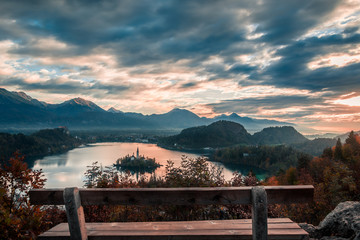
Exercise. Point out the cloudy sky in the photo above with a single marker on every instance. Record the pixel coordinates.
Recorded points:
(296, 61)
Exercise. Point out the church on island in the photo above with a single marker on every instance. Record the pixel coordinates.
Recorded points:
(136, 163)
(137, 155)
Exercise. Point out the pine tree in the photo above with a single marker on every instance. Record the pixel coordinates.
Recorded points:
(304, 162)
(352, 140)
(327, 153)
(338, 154)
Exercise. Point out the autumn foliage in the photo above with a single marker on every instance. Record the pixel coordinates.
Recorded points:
(18, 219)
(335, 176)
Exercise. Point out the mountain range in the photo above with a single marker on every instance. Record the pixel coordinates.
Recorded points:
(18, 110)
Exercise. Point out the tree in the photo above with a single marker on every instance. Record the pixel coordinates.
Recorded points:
(304, 161)
(327, 153)
(354, 141)
(338, 154)
(339, 183)
(193, 172)
(18, 219)
(291, 176)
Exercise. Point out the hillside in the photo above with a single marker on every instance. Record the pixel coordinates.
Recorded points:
(269, 158)
(278, 135)
(38, 144)
(315, 147)
(225, 133)
(219, 134)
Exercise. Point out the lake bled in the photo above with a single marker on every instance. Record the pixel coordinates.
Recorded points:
(67, 169)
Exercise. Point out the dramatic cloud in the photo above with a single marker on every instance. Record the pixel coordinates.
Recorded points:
(283, 21)
(295, 61)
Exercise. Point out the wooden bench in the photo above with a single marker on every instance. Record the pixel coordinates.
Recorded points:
(259, 227)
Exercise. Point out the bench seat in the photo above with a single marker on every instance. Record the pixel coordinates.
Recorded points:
(278, 228)
(260, 227)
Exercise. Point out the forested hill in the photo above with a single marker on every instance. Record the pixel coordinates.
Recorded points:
(38, 144)
(270, 158)
(278, 135)
(225, 134)
(219, 134)
(315, 147)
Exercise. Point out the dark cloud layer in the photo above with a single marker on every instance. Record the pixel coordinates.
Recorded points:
(69, 87)
(253, 105)
(292, 71)
(282, 21)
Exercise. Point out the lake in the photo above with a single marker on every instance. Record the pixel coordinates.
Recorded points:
(67, 169)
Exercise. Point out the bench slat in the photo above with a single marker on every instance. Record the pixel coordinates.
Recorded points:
(174, 196)
(147, 226)
(214, 229)
(275, 221)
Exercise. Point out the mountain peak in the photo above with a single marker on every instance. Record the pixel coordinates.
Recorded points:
(19, 98)
(83, 103)
(114, 110)
(178, 110)
(23, 95)
(182, 112)
(80, 101)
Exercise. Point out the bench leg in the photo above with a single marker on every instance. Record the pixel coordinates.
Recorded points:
(259, 213)
(75, 214)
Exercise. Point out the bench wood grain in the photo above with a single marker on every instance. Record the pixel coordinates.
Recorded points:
(279, 228)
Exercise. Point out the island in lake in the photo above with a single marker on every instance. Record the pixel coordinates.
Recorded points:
(138, 164)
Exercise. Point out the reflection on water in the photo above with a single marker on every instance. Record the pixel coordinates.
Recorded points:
(67, 170)
(56, 160)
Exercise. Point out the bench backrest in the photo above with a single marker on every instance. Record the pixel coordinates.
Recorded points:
(259, 197)
(174, 196)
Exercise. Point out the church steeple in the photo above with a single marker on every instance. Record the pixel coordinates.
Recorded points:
(137, 153)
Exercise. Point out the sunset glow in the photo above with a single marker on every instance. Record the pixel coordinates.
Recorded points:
(355, 101)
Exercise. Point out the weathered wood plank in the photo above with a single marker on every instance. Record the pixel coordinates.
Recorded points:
(75, 214)
(174, 196)
(91, 233)
(175, 230)
(156, 226)
(290, 194)
(50, 196)
(259, 213)
(235, 234)
(180, 237)
(202, 232)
